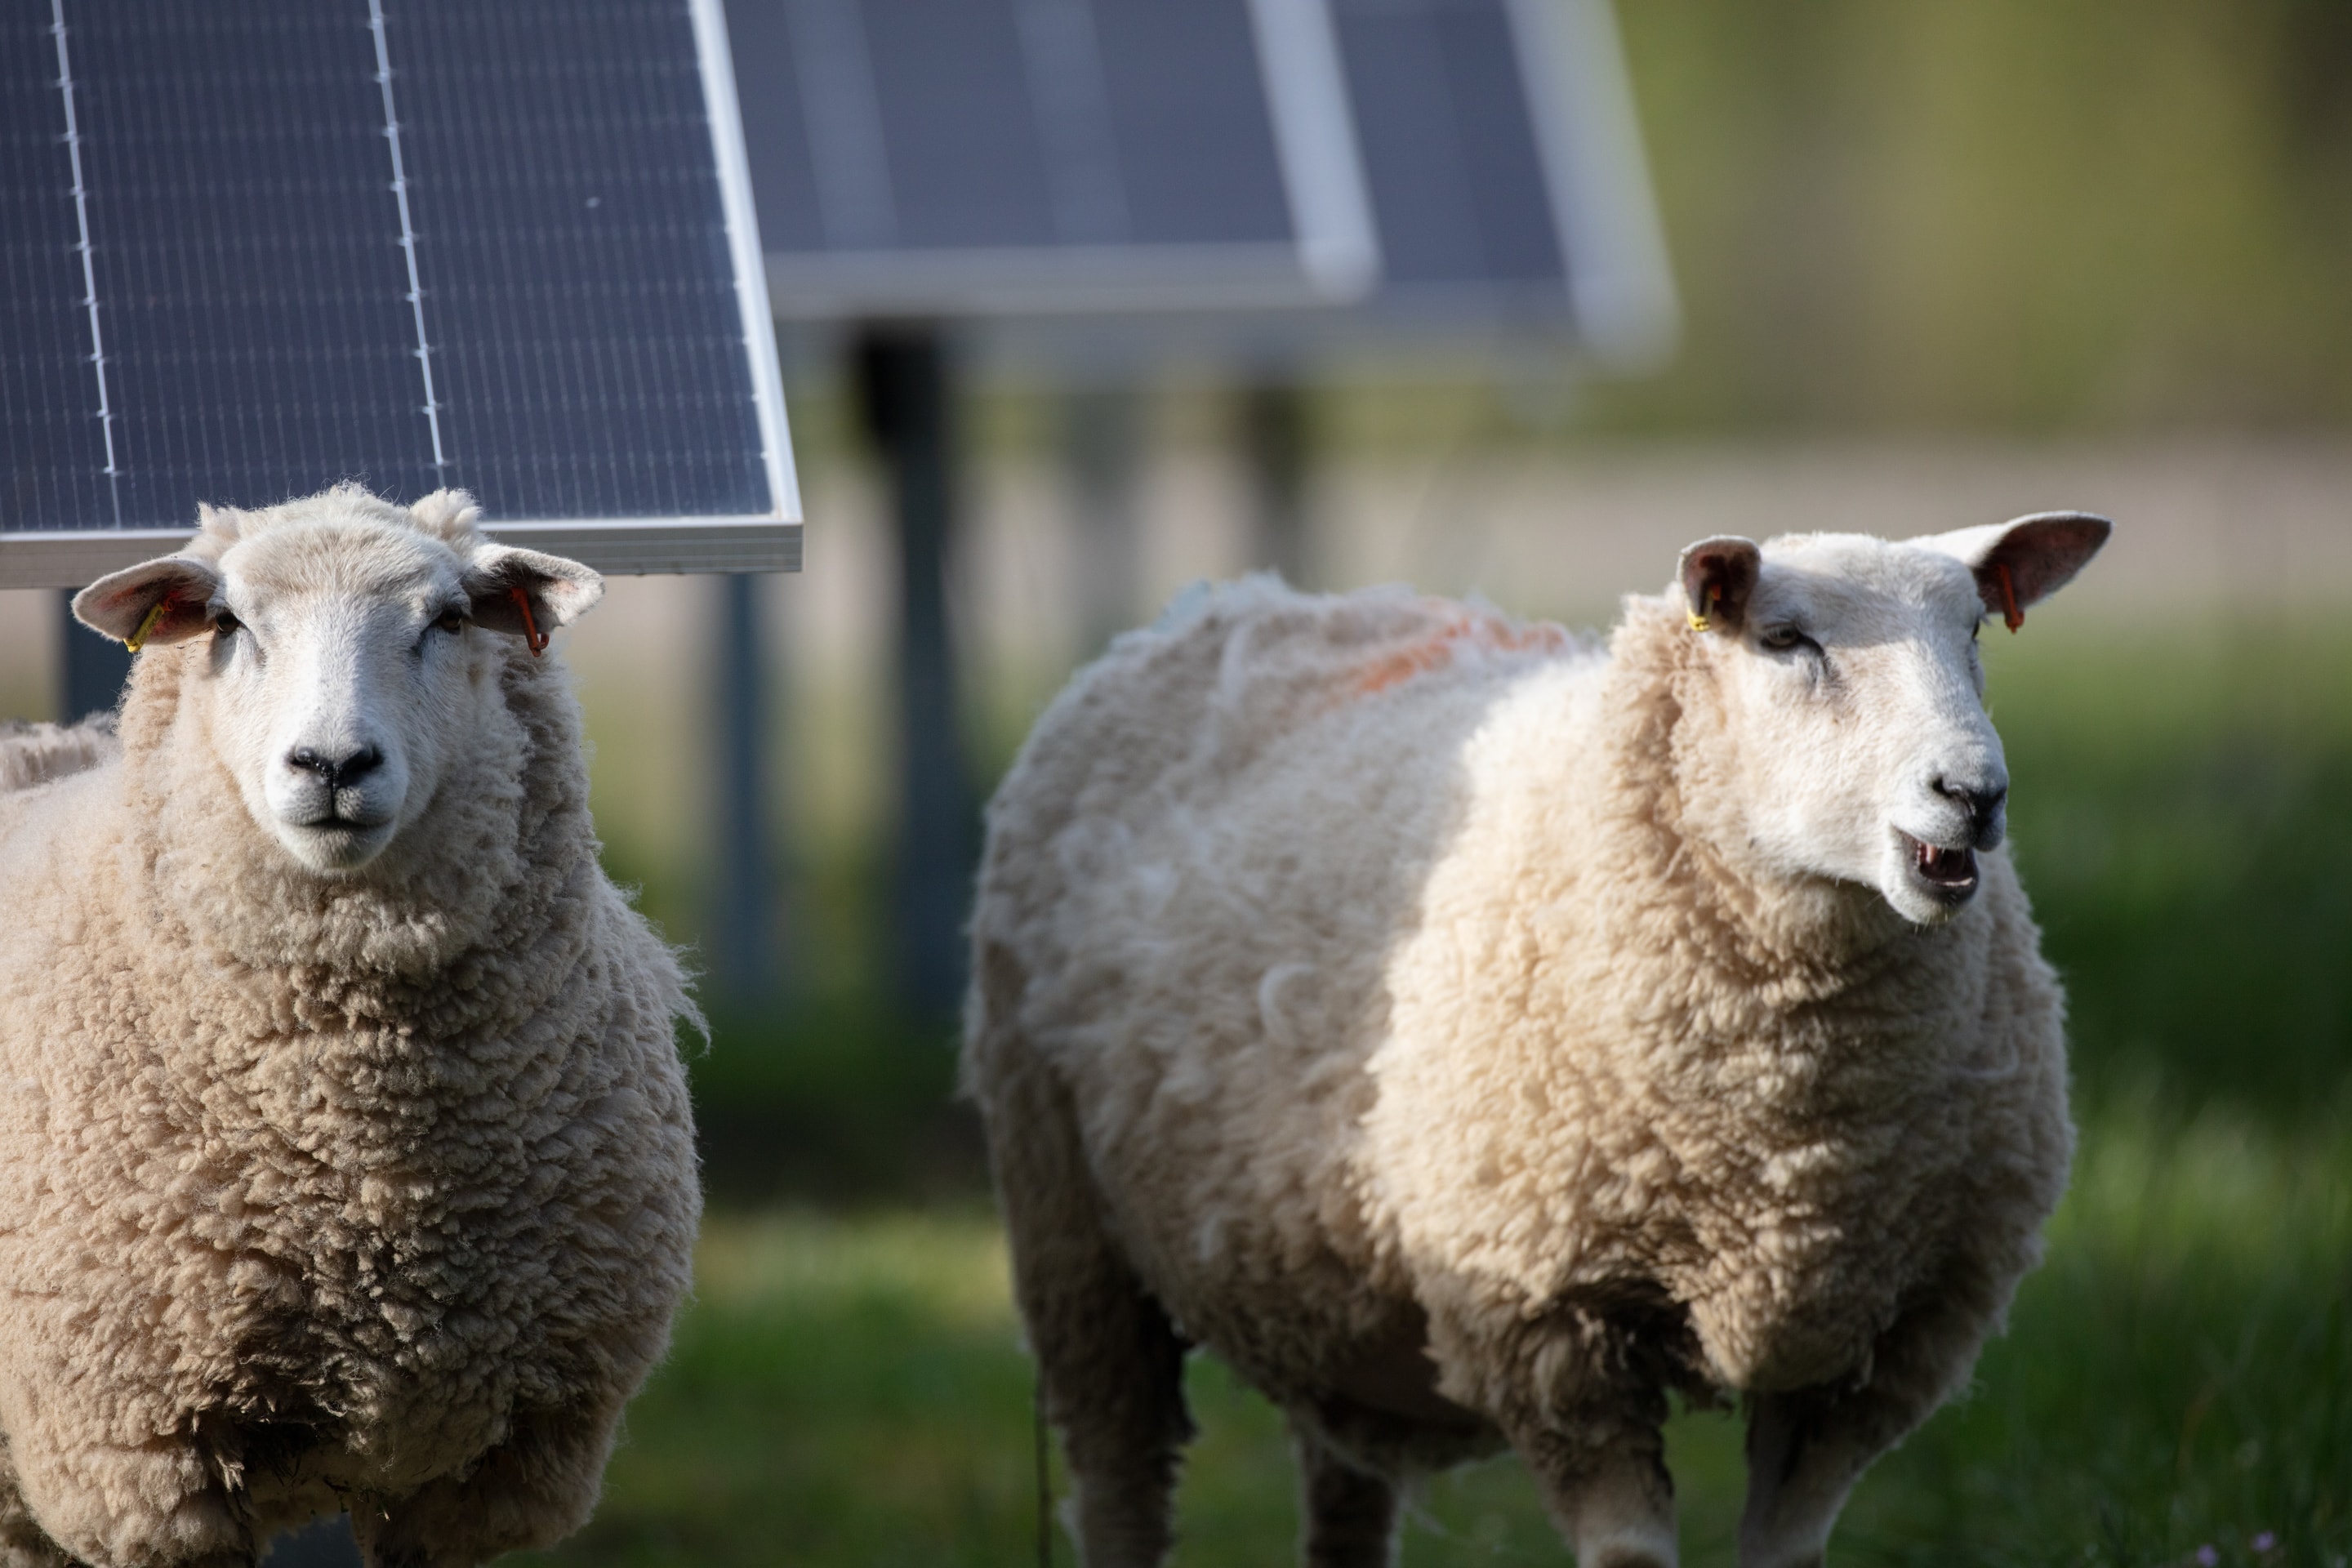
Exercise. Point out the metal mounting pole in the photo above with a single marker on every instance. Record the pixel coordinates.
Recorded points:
(1274, 451)
(746, 959)
(90, 668)
(906, 393)
(321, 1543)
(1103, 437)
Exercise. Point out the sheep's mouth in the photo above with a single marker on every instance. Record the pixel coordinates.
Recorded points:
(336, 843)
(1951, 874)
(336, 822)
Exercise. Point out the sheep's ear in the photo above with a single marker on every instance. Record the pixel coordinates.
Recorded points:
(154, 601)
(1718, 575)
(2019, 563)
(559, 592)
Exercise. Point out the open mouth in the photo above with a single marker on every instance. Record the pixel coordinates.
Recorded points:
(1952, 873)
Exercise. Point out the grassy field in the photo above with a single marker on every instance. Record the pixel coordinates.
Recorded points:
(849, 1390)
(2176, 1385)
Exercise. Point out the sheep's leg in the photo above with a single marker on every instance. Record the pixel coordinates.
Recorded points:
(1588, 1423)
(1801, 1465)
(1348, 1515)
(1612, 1498)
(531, 1490)
(1114, 1372)
(1111, 1364)
(1807, 1448)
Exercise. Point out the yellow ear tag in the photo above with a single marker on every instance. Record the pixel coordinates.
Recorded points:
(1698, 619)
(138, 639)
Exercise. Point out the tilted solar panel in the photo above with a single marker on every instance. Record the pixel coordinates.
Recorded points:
(1438, 164)
(250, 250)
(973, 156)
(1450, 153)
(1504, 168)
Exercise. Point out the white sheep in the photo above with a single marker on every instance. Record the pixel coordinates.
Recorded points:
(1472, 1033)
(345, 1155)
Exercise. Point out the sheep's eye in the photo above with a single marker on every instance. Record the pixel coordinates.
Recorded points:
(226, 624)
(1780, 639)
(451, 620)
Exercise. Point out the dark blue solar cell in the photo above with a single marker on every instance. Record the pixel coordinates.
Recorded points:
(250, 308)
(776, 114)
(1449, 152)
(587, 339)
(51, 436)
(958, 124)
(1006, 125)
(1195, 141)
(253, 262)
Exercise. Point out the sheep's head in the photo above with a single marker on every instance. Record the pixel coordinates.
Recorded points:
(348, 650)
(1856, 743)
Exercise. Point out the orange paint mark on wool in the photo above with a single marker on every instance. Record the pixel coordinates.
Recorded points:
(1436, 650)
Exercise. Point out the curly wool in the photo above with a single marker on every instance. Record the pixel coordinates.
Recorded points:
(1353, 980)
(316, 1194)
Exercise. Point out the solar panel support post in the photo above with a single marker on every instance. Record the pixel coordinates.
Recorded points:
(321, 1543)
(906, 394)
(90, 668)
(1276, 453)
(747, 972)
(1103, 439)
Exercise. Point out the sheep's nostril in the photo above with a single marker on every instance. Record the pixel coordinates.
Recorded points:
(1982, 803)
(358, 764)
(336, 772)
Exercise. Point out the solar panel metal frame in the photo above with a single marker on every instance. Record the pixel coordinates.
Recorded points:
(69, 558)
(1333, 259)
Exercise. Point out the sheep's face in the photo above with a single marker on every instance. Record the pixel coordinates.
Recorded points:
(1856, 740)
(346, 659)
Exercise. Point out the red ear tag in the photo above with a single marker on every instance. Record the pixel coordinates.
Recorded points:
(531, 632)
(2010, 613)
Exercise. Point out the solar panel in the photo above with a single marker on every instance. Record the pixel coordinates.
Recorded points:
(947, 157)
(247, 251)
(1457, 184)
(1505, 166)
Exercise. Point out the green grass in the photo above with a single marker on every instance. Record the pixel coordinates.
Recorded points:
(850, 1390)
(2182, 811)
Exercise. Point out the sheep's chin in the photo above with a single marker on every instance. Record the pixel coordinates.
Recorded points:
(334, 848)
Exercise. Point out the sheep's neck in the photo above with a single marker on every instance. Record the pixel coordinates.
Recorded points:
(1802, 943)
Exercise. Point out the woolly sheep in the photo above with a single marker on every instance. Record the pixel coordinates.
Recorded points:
(345, 1156)
(1472, 1033)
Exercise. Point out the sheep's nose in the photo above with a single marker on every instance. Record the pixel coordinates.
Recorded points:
(336, 770)
(1981, 799)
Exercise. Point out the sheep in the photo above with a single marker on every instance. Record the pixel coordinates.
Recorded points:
(345, 1153)
(1474, 1032)
(35, 753)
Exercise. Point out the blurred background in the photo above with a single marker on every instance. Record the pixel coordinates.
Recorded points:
(1936, 266)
